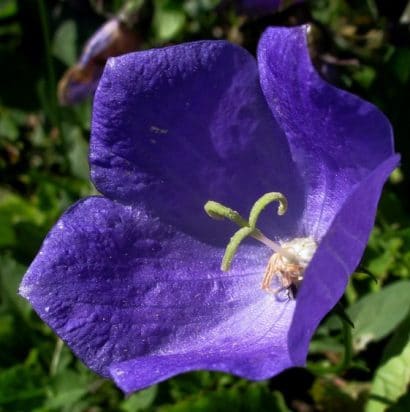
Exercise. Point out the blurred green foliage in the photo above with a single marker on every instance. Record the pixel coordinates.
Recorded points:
(362, 46)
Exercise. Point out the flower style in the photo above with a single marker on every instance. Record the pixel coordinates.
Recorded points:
(131, 280)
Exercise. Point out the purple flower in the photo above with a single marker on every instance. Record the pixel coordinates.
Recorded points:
(111, 39)
(131, 280)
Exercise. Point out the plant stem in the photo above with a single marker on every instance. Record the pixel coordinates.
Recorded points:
(50, 67)
(347, 355)
(56, 357)
(51, 78)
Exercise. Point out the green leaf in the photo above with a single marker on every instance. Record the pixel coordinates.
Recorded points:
(378, 314)
(402, 405)
(365, 76)
(6, 328)
(11, 273)
(21, 388)
(13, 29)
(384, 250)
(242, 397)
(18, 209)
(400, 64)
(184, 385)
(331, 395)
(65, 43)
(7, 234)
(78, 152)
(67, 389)
(393, 376)
(168, 20)
(8, 8)
(139, 401)
(8, 127)
(15, 211)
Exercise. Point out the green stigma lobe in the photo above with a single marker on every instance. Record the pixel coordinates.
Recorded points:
(264, 201)
(233, 245)
(218, 211)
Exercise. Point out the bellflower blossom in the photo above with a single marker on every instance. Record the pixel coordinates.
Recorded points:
(113, 38)
(131, 280)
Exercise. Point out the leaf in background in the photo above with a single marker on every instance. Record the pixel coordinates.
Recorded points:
(8, 127)
(324, 339)
(365, 76)
(337, 395)
(392, 210)
(7, 235)
(9, 29)
(13, 29)
(21, 387)
(169, 19)
(140, 401)
(78, 152)
(382, 264)
(67, 389)
(405, 17)
(14, 212)
(81, 113)
(182, 386)
(378, 314)
(243, 397)
(6, 327)
(65, 43)
(11, 273)
(400, 64)
(402, 405)
(393, 376)
(16, 208)
(8, 8)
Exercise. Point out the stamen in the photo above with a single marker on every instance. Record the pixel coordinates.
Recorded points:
(289, 260)
(276, 247)
(289, 274)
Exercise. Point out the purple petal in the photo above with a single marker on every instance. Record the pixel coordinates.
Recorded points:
(77, 84)
(256, 360)
(176, 127)
(81, 80)
(100, 41)
(336, 139)
(337, 257)
(137, 299)
(111, 39)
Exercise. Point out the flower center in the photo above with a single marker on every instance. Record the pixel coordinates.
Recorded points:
(289, 259)
(289, 273)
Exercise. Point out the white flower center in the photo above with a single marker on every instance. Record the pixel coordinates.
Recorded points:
(288, 265)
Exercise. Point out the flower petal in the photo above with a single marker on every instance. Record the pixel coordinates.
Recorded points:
(258, 362)
(112, 39)
(119, 286)
(178, 126)
(335, 138)
(336, 258)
